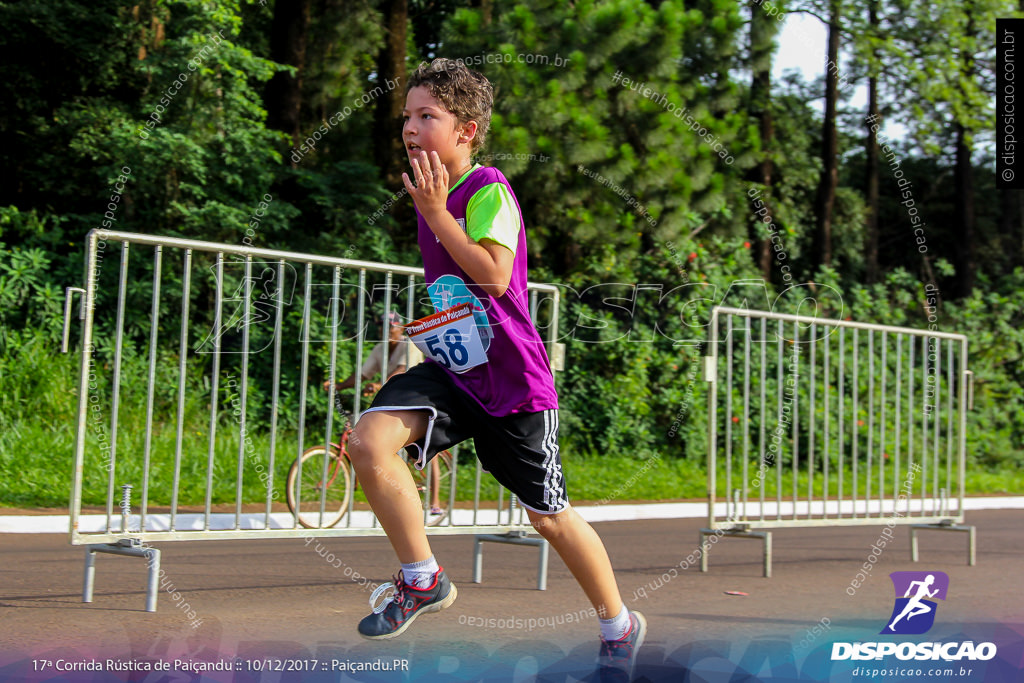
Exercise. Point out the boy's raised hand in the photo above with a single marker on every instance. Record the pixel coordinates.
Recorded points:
(431, 190)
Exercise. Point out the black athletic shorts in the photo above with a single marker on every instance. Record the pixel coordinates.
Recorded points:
(520, 450)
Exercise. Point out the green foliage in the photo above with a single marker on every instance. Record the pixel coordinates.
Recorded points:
(632, 212)
(607, 149)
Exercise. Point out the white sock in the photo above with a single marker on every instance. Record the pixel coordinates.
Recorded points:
(616, 627)
(420, 574)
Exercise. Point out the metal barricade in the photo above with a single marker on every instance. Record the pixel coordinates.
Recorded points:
(238, 398)
(816, 422)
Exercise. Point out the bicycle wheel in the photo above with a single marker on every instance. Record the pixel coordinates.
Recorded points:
(304, 496)
(445, 482)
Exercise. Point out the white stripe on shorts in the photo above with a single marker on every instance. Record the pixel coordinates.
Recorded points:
(552, 468)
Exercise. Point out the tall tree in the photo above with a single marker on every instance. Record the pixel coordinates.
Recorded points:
(871, 271)
(391, 68)
(288, 37)
(824, 202)
(964, 258)
(949, 69)
(763, 30)
(604, 120)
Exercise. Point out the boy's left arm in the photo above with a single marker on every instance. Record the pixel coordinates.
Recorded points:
(486, 262)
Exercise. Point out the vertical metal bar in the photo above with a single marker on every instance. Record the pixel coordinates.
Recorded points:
(949, 417)
(243, 432)
(386, 331)
(428, 481)
(533, 306)
(409, 313)
(360, 335)
(728, 405)
(154, 328)
(356, 407)
(962, 456)
(841, 389)
(218, 332)
(811, 406)
(186, 291)
(542, 567)
(69, 293)
(855, 423)
(711, 377)
(153, 577)
(746, 410)
(115, 399)
(329, 427)
(476, 492)
(795, 371)
(936, 405)
(478, 560)
(897, 434)
(88, 308)
(276, 391)
(910, 413)
(924, 426)
(89, 580)
(881, 431)
(868, 479)
(553, 328)
(762, 466)
(303, 389)
(781, 377)
(453, 484)
(825, 429)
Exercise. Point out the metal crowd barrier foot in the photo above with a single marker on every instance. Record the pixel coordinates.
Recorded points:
(766, 545)
(518, 537)
(971, 539)
(131, 548)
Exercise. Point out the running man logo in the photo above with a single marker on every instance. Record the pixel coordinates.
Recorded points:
(914, 612)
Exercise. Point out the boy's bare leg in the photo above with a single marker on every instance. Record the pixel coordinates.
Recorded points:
(386, 480)
(581, 549)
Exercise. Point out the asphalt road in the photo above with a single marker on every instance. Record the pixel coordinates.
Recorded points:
(260, 599)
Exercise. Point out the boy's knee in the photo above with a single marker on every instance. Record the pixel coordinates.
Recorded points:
(360, 450)
(551, 526)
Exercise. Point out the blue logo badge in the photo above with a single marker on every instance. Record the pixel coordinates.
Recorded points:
(916, 592)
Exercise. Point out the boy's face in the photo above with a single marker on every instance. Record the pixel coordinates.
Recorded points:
(429, 127)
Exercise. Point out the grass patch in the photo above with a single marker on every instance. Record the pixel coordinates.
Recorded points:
(37, 429)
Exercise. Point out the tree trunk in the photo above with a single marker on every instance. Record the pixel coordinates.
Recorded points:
(388, 147)
(283, 95)
(486, 11)
(1018, 194)
(871, 167)
(821, 248)
(760, 108)
(1009, 218)
(963, 180)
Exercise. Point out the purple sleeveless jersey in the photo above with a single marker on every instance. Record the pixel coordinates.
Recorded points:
(517, 377)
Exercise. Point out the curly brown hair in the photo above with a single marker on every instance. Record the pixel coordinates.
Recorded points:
(465, 93)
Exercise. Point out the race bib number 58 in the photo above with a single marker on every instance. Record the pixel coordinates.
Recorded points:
(450, 337)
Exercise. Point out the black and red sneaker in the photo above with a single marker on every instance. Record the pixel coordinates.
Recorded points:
(618, 657)
(393, 616)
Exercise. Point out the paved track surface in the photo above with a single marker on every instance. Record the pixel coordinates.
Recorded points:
(259, 598)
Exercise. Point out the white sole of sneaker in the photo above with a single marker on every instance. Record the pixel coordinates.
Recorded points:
(642, 621)
(436, 607)
(616, 671)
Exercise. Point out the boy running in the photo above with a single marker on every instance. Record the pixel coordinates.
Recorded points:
(473, 243)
